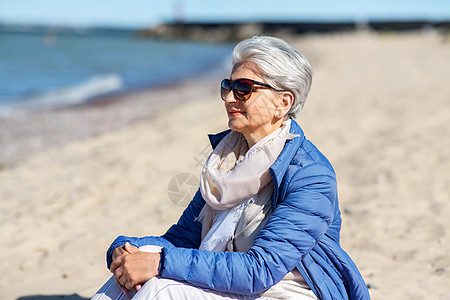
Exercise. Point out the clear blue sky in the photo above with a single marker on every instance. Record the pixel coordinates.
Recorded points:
(142, 13)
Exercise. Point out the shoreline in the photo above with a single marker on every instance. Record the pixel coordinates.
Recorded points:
(25, 132)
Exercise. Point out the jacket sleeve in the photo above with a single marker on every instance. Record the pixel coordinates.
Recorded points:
(295, 226)
(186, 233)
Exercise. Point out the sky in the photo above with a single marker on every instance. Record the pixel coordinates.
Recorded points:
(146, 13)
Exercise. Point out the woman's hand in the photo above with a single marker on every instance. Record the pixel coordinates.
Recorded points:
(120, 251)
(132, 267)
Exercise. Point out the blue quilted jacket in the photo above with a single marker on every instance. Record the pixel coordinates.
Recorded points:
(302, 232)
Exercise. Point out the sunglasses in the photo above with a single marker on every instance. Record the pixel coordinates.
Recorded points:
(242, 88)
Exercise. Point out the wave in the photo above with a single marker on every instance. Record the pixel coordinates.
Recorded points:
(74, 94)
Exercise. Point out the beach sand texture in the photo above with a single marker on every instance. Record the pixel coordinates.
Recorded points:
(379, 109)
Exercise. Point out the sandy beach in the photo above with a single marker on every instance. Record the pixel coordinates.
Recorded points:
(71, 180)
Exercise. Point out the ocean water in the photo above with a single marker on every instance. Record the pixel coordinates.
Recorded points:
(39, 70)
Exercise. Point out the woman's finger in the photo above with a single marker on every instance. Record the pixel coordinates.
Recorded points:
(130, 249)
(119, 278)
(129, 284)
(116, 264)
(124, 280)
(118, 274)
(119, 251)
(121, 287)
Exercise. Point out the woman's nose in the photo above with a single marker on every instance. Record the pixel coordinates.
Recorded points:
(230, 97)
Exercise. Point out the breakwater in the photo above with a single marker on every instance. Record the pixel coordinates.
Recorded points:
(211, 31)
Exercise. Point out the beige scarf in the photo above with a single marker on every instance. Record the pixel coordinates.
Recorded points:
(232, 178)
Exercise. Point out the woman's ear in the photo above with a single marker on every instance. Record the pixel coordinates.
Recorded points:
(286, 101)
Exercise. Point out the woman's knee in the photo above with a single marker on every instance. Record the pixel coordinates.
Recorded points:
(161, 288)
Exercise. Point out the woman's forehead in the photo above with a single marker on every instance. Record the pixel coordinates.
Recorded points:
(247, 67)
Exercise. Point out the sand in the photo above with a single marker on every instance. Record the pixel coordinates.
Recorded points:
(379, 110)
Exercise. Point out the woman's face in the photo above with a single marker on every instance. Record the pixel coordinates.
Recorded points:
(255, 117)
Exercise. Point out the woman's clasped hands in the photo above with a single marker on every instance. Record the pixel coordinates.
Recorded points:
(132, 267)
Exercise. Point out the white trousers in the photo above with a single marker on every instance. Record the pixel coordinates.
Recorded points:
(166, 289)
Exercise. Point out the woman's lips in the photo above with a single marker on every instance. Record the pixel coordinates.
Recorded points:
(235, 113)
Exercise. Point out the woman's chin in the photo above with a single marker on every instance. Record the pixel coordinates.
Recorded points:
(235, 124)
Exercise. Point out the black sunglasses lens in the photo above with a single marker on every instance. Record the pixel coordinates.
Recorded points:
(242, 89)
(225, 88)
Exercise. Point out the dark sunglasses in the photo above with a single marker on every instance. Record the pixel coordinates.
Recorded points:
(242, 88)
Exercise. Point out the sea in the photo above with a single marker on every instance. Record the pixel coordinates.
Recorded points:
(45, 69)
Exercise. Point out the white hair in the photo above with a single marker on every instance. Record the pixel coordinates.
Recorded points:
(282, 66)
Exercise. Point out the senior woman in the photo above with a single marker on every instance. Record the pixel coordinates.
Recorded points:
(265, 222)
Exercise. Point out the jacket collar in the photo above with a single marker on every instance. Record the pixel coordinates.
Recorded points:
(279, 167)
(215, 139)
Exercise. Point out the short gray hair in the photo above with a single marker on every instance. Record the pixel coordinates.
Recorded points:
(282, 66)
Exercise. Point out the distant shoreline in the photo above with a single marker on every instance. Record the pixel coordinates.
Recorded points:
(233, 31)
